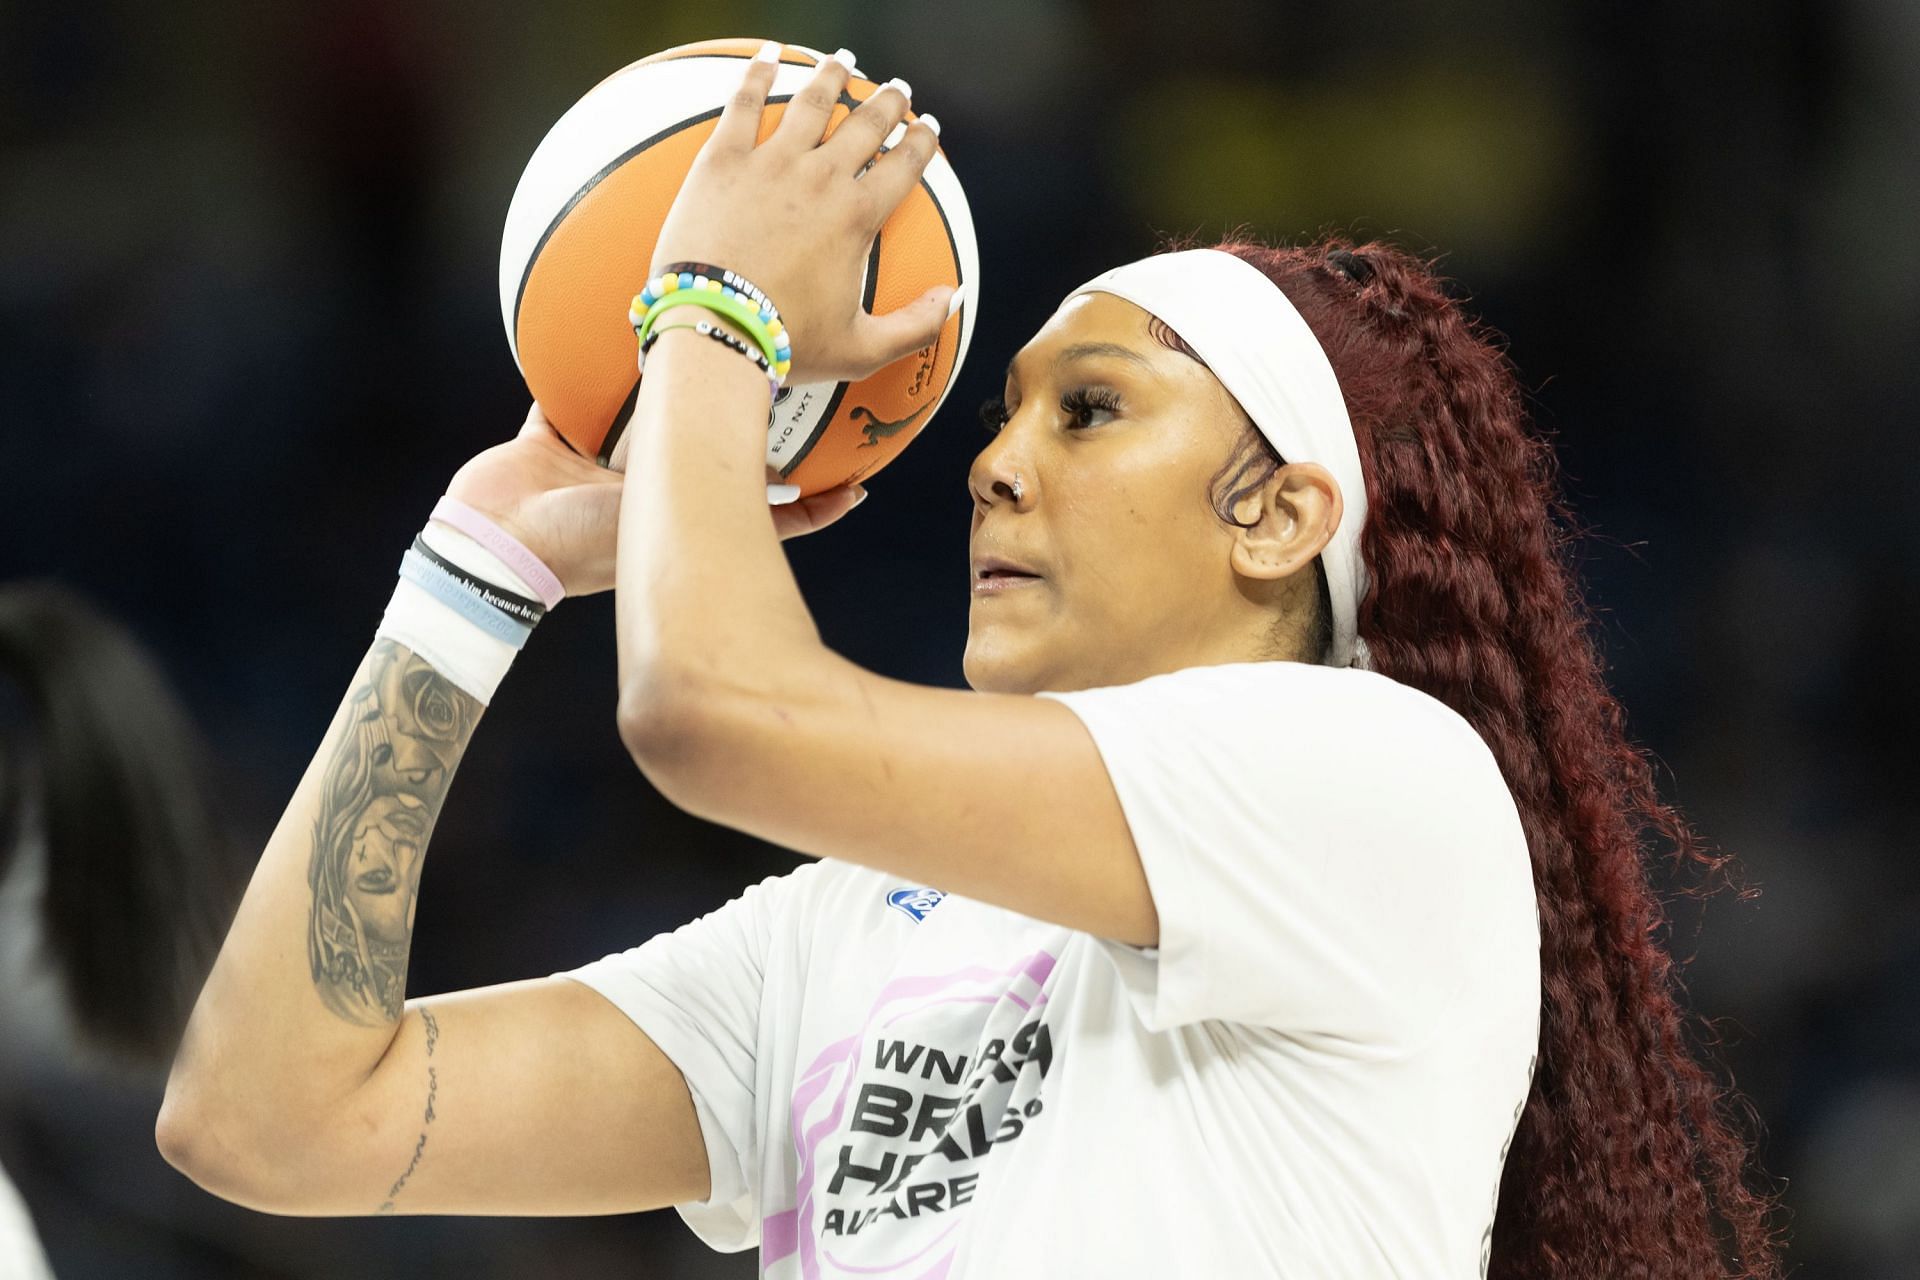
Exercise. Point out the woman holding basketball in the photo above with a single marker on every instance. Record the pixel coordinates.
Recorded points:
(1293, 929)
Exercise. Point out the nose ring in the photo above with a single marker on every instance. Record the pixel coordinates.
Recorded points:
(1016, 486)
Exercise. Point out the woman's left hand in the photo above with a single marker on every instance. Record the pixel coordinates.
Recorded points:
(796, 216)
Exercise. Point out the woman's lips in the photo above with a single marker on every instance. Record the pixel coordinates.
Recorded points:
(995, 583)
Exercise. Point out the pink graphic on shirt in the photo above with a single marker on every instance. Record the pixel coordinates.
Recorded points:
(837, 1066)
(895, 1266)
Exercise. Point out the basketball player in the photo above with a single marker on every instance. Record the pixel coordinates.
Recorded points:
(1270, 906)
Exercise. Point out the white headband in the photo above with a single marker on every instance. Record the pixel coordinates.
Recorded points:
(1243, 326)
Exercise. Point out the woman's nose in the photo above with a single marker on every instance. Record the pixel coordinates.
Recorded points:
(995, 489)
(998, 477)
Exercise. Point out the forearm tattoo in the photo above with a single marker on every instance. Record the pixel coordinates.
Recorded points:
(406, 728)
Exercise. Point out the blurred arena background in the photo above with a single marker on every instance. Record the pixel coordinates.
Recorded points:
(248, 329)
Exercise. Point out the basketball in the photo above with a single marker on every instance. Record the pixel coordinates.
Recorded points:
(579, 239)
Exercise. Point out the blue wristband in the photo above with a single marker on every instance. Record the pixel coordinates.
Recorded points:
(453, 593)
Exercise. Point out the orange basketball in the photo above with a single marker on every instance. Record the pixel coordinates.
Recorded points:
(579, 239)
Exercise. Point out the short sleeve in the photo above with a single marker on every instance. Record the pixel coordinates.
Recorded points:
(696, 992)
(1330, 853)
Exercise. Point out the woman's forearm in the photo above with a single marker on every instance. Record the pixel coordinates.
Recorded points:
(307, 991)
(705, 599)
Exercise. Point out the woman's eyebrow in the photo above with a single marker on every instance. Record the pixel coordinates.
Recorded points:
(1089, 351)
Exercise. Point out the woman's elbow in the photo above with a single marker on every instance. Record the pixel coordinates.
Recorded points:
(669, 732)
(652, 716)
(191, 1143)
(173, 1133)
(255, 1170)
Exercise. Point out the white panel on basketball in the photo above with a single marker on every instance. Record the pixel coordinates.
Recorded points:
(952, 199)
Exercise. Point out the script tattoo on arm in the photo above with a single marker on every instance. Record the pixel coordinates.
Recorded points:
(426, 1122)
(406, 728)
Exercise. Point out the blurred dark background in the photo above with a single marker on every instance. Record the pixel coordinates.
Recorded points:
(249, 327)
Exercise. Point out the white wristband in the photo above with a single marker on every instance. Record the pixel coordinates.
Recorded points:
(454, 646)
(457, 649)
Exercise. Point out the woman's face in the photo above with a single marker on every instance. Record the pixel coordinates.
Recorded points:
(1137, 574)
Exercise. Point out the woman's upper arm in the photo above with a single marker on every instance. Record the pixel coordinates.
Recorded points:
(997, 797)
(528, 1098)
(1304, 846)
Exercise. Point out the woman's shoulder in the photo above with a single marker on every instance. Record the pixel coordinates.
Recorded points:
(1351, 728)
(1299, 688)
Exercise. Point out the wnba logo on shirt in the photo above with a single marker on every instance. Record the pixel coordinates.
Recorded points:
(915, 902)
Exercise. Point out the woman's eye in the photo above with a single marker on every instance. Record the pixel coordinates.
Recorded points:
(1082, 402)
(993, 414)
(1078, 404)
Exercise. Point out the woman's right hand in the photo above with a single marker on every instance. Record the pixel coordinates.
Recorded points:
(566, 509)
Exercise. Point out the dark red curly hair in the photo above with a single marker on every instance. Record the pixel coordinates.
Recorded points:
(1627, 1161)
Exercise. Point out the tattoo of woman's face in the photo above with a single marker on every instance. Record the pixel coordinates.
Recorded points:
(384, 867)
(406, 728)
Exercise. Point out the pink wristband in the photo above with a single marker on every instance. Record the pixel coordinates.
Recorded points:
(503, 544)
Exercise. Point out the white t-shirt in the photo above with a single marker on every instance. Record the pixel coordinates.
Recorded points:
(20, 1254)
(34, 1025)
(1316, 1073)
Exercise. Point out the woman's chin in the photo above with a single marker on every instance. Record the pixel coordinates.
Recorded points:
(990, 667)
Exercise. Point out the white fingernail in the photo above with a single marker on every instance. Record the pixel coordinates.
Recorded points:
(906, 90)
(779, 495)
(844, 57)
(958, 299)
(926, 118)
(769, 52)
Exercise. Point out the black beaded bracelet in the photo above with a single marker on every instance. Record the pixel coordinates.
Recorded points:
(717, 334)
(732, 280)
(514, 606)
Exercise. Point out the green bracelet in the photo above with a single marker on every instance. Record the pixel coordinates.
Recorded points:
(747, 317)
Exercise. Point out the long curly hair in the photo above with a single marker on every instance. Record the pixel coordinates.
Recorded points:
(1627, 1160)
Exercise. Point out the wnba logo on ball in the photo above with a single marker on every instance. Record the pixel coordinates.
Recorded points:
(915, 902)
(877, 428)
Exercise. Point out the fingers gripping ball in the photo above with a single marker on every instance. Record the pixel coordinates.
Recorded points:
(580, 235)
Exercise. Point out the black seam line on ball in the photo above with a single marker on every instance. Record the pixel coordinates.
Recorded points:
(625, 412)
(839, 388)
(526, 272)
(620, 421)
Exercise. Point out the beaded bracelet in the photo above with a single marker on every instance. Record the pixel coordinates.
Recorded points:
(728, 280)
(719, 335)
(726, 292)
(712, 331)
(779, 358)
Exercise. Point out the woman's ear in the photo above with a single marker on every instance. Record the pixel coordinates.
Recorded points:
(1294, 515)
